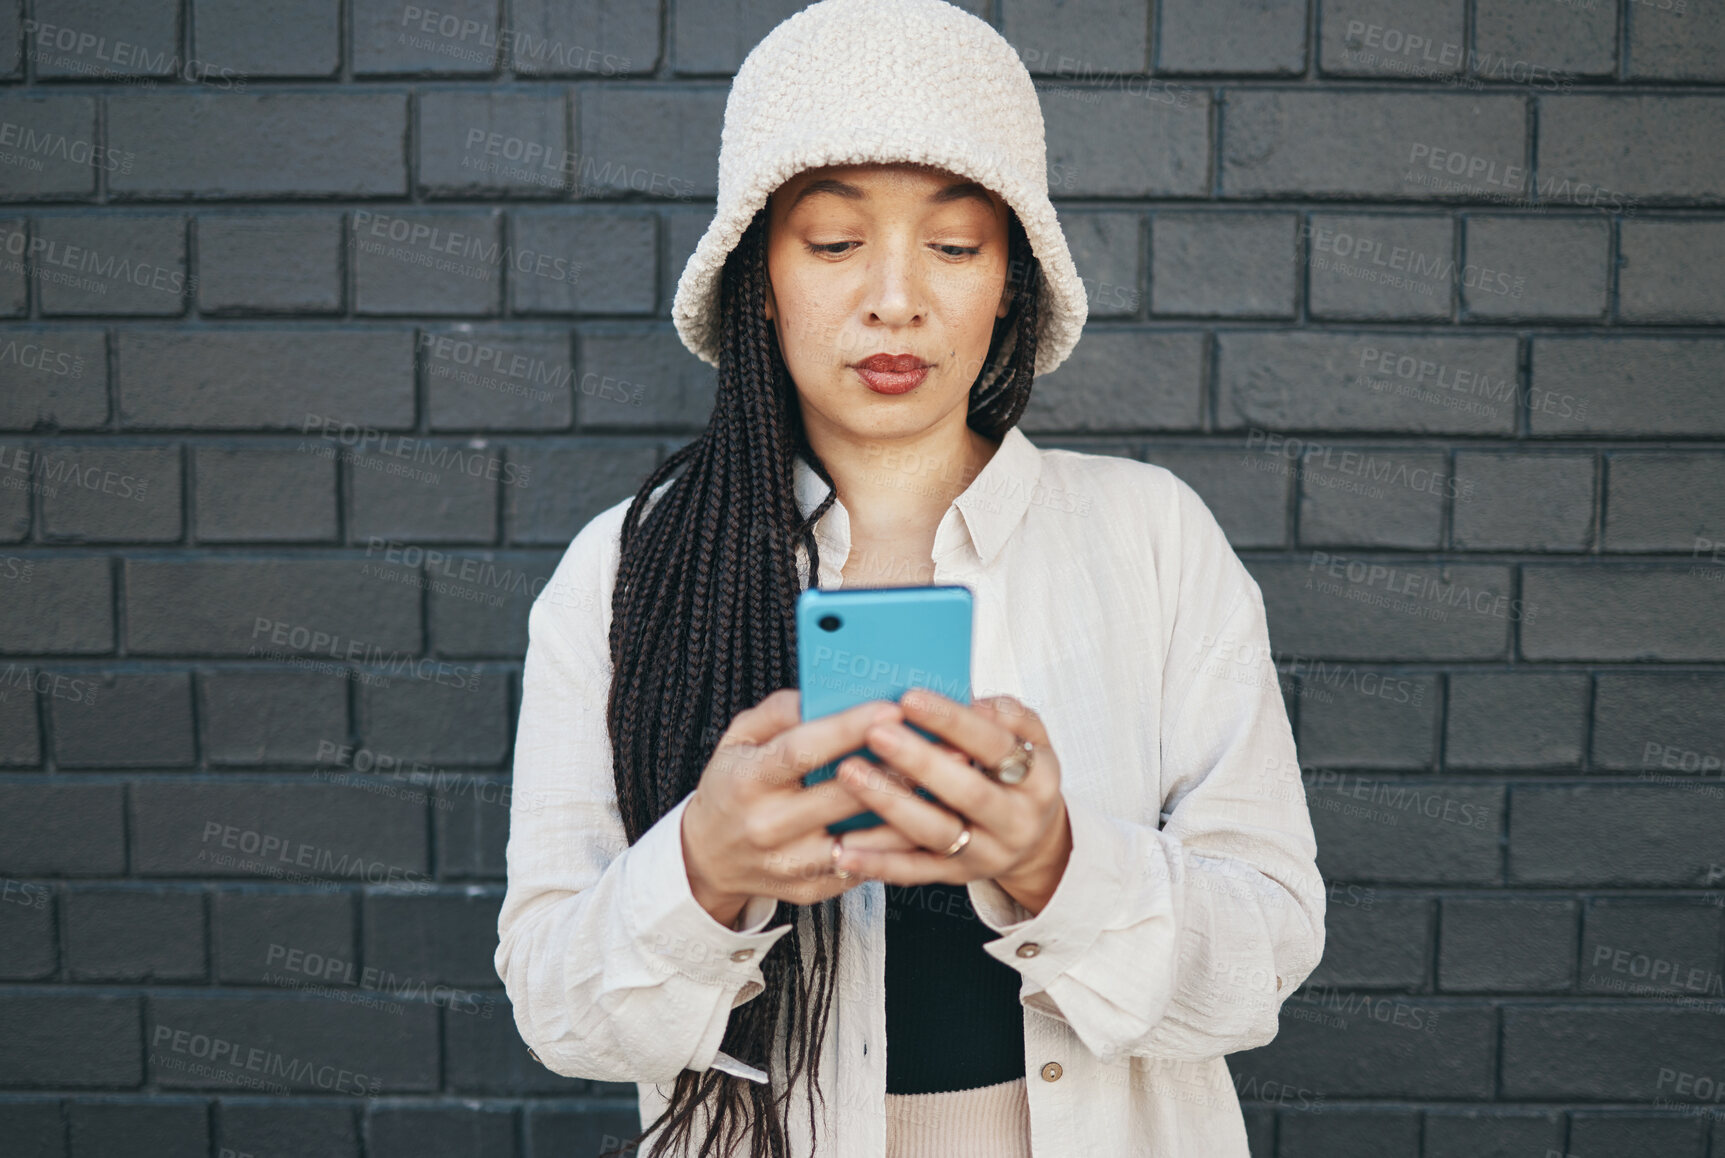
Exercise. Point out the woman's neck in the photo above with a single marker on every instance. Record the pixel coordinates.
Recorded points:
(897, 490)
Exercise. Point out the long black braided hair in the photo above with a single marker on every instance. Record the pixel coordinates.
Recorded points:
(703, 627)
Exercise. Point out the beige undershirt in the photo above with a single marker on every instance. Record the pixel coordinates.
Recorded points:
(987, 1122)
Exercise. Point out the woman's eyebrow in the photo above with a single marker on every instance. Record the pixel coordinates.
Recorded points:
(957, 191)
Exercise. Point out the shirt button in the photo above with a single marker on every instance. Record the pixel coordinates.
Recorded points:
(1051, 1072)
(742, 954)
(1278, 983)
(1029, 949)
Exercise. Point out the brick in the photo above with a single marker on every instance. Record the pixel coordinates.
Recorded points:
(126, 720)
(255, 931)
(120, 1130)
(263, 496)
(454, 502)
(1358, 382)
(1238, 265)
(269, 263)
(15, 498)
(1562, 38)
(454, 718)
(427, 262)
(1512, 944)
(1523, 502)
(1621, 613)
(1376, 144)
(1628, 387)
(269, 717)
(636, 375)
(239, 145)
(1671, 272)
(33, 1129)
(20, 736)
(1615, 835)
(1405, 831)
(473, 833)
(583, 261)
(1350, 1133)
(62, 829)
(1657, 720)
(498, 380)
(1233, 36)
(1386, 946)
(1491, 1133)
(335, 1048)
(1260, 1131)
(54, 378)
(1519, 267)
(319, 831)
(1640, 948)
(1604, 1053)
(134, 935)
(449, 938)
(1665, 502)
(435, 1132)
(212, 607)
(478, 602)
(1677, 42)
(60, 1039)
(572, 482)
(1383, 38)
(602, 37)
(1630, 149)
(270, 37)
(1108, 250)
(106, 38)
(567, 1131)
(98, 494)
(455, 37)
(54, 135)
(1341, 504)
(1122, 379)
(485, 1055)
(1403, 611)
(658, 142)
(1637, 1135)
(27, 944)
(1130, 144)
(1247, 492)
(1078, 40)
(111, 265)
(11, 39)
(288, 1131)
(14, 245)
(1516, 719)
(270, 380)
(1379, 267)
(474, 143)
(65, 609)
(1370, 1055)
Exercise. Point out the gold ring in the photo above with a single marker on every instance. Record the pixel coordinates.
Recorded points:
(838, 848)
(1016, 764)
(959, 843)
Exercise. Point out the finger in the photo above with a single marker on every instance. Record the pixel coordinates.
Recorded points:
(784, 758)
(756, 725)
(907, 868)
(1017, 716)
(984, 731)
(962, 788)
(931, 826)
(783, 817)
(880, 838)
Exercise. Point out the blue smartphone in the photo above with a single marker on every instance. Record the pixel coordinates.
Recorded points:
(874, 643)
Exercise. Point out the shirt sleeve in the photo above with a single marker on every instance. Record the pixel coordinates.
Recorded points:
(614, 970)
(1182, 941)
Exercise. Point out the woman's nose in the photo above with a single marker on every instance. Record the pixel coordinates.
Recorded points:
(895, 286)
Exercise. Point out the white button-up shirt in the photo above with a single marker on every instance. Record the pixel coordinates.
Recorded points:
(1107, 599)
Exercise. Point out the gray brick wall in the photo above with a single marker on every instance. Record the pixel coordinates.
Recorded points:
(327, 324)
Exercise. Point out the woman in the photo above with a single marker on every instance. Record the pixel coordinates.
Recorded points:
(1051, 965)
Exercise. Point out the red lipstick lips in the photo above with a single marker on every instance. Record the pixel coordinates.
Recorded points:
(892, 373)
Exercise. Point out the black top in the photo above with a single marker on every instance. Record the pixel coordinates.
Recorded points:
(953, 1018)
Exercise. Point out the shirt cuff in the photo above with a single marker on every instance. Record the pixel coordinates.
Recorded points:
(1093, 886)
(675, 933)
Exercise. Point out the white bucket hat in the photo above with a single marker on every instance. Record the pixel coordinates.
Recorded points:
(850, 82)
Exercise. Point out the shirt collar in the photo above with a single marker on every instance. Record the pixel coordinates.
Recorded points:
(990, 507)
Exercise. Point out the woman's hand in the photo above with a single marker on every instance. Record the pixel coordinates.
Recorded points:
(1020, 836)
(752, 828)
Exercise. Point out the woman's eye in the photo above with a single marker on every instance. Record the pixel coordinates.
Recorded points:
(961, 249)
(833, 247)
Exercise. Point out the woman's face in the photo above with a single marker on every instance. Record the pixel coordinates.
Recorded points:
(870, 260)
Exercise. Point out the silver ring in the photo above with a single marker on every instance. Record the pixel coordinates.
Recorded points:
(838, 848)
(1016, 765)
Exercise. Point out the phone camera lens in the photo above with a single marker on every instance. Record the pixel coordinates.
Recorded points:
(829, 623)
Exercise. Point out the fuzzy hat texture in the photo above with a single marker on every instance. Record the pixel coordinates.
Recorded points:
(850, 82)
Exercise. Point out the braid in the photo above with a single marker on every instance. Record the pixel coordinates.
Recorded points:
(703, 627)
